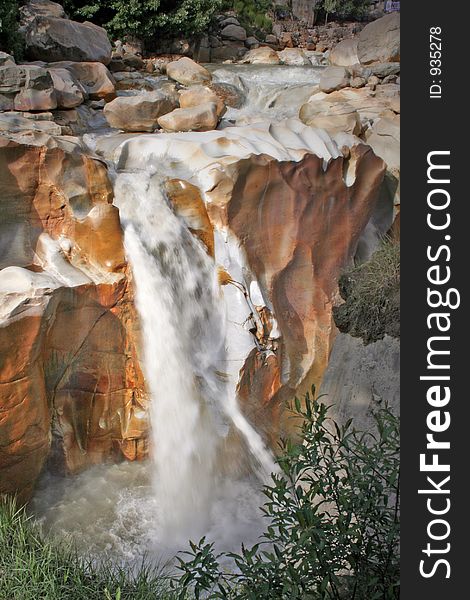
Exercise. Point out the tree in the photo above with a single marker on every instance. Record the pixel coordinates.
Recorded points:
(10, 40)
(146, 19)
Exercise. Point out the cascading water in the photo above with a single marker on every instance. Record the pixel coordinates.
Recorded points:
(183, 329)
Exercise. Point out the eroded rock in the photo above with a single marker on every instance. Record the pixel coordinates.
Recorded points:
(188, 72)
(203, 117)
(141, 112)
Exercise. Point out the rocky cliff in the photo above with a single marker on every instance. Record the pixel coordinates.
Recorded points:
(71, 384)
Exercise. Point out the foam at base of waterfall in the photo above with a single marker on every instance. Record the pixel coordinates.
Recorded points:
(181, 307)
(111, 510)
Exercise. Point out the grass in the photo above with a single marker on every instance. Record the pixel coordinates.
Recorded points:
(35, 568)
(372, 296)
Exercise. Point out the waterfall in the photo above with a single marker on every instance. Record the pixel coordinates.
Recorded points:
(183, 321)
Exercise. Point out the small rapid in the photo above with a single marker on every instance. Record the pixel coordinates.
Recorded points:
(269, 92)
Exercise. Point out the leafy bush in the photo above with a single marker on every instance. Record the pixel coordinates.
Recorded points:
(333, 521)
(344, 9)
(372, 296)
(253, 14)
(146, 19)
(32, 567)
(10, 40)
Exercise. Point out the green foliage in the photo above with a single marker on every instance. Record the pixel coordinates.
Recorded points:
(32, 567)
(10, 40)
(253, 14)
(333, 521)
(146, 19)
(372, 296)
(344, 9)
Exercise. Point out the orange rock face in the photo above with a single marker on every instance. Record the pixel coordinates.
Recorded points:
(71, 386)
(299, 225)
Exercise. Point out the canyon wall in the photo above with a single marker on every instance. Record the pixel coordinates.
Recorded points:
(280, 208)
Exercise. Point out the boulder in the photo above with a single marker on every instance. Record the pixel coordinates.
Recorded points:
(294, 57)
(379, 41)
(230, 94)
(344, 54)
(41, 8)
(27, 87)
(6, 59)
(133, 61)
(141, 112)
(234, 32)
(334, 78)
(358, 82)
(271, 39)
(383, 70)
(69, 92)
(72, 387)
(54, 39)
(13, 122)
(261, 56)
(94, 77)
(188, 72)
(197, 95)
(335, 117)
(199, 118)
(229, 51)
(251, 42)
(229, 21)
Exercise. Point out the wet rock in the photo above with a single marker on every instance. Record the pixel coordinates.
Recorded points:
(197, 95)
(335, 117)
(68, 362)
(141, 112)
(188, 72)
(199, 118)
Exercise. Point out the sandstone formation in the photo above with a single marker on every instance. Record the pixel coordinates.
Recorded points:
(271, 207)
(335, 117)
(202, 117)
(188, 72)
(71, 385)
(139, 113)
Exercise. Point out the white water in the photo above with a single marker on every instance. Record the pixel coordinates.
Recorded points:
(185, 491)
(271, 92)
(184, 333)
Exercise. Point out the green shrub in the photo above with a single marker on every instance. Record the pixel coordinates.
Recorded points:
(344, 9)
(333, 521)
(33, 568)
(372, 296)
(253, 14)
(10, 40)
(146, 19)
